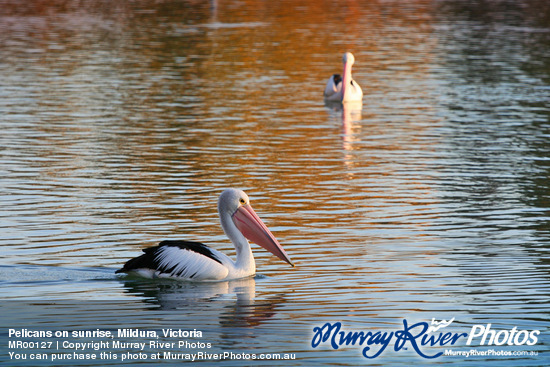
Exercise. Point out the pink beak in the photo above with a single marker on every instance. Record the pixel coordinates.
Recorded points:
(252, 227)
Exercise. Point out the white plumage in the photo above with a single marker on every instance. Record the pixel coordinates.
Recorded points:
(186, 260)
(192, 265)
(342, 88)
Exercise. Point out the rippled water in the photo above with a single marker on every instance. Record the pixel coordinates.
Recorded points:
(122, 123)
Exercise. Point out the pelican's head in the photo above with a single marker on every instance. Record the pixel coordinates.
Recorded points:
(236, 204)
(231, 199)
(348, 58)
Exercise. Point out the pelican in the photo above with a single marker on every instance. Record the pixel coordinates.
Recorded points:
(194, 261)
(343, 89)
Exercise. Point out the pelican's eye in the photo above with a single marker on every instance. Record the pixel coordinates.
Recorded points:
(242, 201)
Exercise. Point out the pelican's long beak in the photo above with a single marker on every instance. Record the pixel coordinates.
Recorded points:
(252, 227)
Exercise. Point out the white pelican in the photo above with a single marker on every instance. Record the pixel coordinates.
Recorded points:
(343, 89)
(193, 261)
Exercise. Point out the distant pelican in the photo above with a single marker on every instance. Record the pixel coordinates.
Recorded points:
(343, 89)
(193, 261)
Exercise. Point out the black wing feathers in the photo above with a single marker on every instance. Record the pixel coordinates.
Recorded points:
(192, 246)
(149, 259)
(337, 78)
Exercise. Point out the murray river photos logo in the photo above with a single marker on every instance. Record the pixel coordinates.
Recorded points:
(419, 337)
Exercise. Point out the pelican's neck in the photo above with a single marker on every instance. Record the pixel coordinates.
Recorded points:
(245, 259)
(346, 79)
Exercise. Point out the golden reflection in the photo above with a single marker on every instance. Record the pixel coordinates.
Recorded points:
(165, 105)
